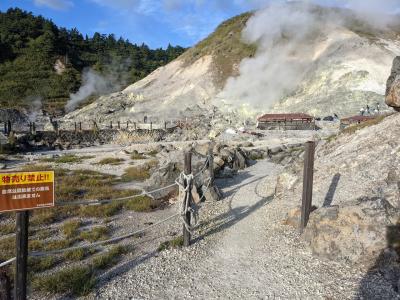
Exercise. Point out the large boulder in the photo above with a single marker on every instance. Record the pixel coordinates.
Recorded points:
(355, 233)
(393, 86)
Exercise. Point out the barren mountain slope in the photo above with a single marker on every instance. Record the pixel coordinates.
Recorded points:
(349, 69)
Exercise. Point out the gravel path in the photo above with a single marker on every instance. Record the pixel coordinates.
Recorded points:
(242, 251)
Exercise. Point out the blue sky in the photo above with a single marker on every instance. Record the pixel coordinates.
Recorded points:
(155, 22)
(159, 22)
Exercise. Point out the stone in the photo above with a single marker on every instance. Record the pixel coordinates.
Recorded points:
(293, 218)
(393, 86)
(219, 161)
(211, 193)
(354, 233)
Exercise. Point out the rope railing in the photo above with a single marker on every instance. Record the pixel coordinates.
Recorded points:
(184, 208)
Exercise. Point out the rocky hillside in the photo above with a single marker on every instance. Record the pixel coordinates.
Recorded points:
(348, 69)
(356, 194)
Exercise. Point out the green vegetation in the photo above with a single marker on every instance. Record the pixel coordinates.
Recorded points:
(40, 264)
(77, 281)
(108, 259)
(141, 204)
(139, 173)
(7, 248)
(226, 46)
(95, 234)
(100, 211)
(175, 243)
(70, 228)
(31, 46)
(7, 228)
(75, 254)
(59, 244)
(66, 159)
(110, 161)
(35, 245)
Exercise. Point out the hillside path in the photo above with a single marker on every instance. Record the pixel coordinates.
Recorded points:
(242, 252)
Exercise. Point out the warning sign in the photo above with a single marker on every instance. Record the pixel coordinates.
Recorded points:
(26, 190)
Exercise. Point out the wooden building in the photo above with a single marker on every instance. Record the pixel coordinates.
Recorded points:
(298, 121)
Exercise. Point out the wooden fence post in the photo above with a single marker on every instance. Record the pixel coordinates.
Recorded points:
(151, 126)
(80, 126)
(111, 127)
(211, 162)
(119, 124)
(5, 286)
(308, 174)
(127, 125)
(21, 255)
(134, 126)
(75, 127)
(187, 171)
(5, 128)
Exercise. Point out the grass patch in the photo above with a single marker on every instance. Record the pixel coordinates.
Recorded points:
(78, 281)
(7, 228)
(75, 254)
(138, 173)
(100, 211)
(141, 204)
(66, 159)
(43, 216)
(353, 128)
(70, 228)
(109, 258)
(7, 248)
(35, 245)
(136, 155)
(175, 243)
(110, 161)
(59, 244)
(40, 264)
(95, 234)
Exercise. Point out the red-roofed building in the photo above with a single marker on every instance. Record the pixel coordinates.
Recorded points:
(355, 120)
(297, 121)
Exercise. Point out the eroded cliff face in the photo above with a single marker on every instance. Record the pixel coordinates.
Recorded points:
(393, 86)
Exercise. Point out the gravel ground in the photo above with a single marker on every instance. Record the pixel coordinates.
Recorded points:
(242, 251)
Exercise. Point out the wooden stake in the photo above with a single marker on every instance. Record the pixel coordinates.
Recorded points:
(187, 171)
(308, 174)
(22, 255)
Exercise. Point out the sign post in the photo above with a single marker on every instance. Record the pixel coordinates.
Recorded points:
(21, 192)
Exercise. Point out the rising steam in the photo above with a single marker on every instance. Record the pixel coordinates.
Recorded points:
(287, 36)
(94, 83)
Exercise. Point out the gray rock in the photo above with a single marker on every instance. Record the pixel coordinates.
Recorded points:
(354, 233)
(393, 86)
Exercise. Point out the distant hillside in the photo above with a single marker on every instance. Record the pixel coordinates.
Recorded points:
(346, 68)
(39, 59)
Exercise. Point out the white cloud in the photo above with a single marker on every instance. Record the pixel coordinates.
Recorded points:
(54, 4)
(144, 7)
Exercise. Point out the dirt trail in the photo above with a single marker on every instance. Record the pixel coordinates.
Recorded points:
(242, 252)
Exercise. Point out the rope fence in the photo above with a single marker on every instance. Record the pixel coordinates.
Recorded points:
(188, 210)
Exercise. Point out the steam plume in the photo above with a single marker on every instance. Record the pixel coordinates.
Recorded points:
(35, 107)
(287, 35)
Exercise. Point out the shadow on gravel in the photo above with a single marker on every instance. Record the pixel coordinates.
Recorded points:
(382, 280)
(230, 218)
